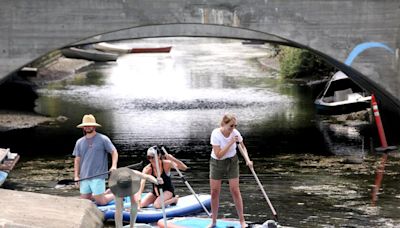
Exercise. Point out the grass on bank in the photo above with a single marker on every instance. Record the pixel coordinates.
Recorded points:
(298, 63)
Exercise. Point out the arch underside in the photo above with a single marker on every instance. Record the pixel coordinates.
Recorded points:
(220, 31)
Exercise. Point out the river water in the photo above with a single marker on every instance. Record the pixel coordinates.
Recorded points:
(177, 99)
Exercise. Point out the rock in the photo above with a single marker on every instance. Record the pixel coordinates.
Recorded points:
(61, 119)
(26, 209)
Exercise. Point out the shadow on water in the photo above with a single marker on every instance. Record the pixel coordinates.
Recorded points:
(17, 93)
(176, 100)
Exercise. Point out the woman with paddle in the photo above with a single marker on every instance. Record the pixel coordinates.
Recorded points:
(224, 163)
(163, 178)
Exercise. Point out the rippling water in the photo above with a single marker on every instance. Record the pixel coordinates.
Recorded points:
(176, 99)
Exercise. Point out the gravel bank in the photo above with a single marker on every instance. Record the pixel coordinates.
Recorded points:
(17, 120)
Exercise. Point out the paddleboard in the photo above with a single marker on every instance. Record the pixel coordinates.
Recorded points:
(111, 205)
(193, 222)
(186, 205)
(3, 177)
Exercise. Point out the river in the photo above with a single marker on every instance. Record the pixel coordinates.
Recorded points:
(177, 99)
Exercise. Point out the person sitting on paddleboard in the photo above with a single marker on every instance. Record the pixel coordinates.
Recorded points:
(164, 166)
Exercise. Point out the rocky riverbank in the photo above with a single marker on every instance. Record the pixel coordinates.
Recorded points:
(59, 69)
(10, 120)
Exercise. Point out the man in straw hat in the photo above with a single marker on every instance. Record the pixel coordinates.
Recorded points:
(126, 182)
(91, 158)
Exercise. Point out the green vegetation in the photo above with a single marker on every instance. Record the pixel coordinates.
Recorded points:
(301, 63)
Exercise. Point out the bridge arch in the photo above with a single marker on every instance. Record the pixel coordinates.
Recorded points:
(229, 32)
(330, 27)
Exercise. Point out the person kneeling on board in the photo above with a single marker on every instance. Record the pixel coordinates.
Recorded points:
(165, 164)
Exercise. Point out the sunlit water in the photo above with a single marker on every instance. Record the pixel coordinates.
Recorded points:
(176, 100)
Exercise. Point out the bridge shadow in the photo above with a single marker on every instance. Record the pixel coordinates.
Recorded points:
(18, 93)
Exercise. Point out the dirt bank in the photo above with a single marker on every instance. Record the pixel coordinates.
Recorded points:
(17, 120)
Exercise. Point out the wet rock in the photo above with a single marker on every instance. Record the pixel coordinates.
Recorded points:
(363, 115)
(353, 160)
(61, 119)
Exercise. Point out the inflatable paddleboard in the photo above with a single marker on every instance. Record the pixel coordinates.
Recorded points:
(3, 177)
(193, 222)
(186, 205)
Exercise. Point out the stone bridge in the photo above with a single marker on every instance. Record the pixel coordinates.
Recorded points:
(360, 37)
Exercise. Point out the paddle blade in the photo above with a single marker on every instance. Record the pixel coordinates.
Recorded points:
(135, 166)
(66, 182)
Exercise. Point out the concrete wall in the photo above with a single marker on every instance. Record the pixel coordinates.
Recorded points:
(333, 28)
(27, 209)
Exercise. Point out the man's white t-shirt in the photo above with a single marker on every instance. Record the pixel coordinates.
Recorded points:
(218, 139)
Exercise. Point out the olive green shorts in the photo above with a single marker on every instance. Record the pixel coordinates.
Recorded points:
(227, 168)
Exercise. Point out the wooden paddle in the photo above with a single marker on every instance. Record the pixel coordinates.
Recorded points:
(187, 184)
(247, 159)
(70, 181)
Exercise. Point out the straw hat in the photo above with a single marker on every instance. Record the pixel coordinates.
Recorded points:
(88, 121)
(124, 182)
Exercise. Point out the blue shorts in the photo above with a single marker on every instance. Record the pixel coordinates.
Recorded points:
(95, 186)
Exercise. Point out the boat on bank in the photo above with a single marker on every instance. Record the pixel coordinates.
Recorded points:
(88, 54)
(186, 205)
(107, 47)
(253, 42)
(342, 95)
(7, 162)
(151, 50)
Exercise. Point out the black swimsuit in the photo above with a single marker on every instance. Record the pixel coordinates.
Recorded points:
(167, 186)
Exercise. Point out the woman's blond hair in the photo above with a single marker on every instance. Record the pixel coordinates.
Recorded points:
(228, 117)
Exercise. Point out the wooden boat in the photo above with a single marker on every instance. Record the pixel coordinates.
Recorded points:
(7, 163)
(341, 95)
(151, 50)
(124, 50)
(253, 42)
(92, 55)
(103, 46)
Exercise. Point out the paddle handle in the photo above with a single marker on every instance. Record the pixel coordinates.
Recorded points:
(97, 175)
(101, 174)
(161, 190)
(187, 184)
(246, 157)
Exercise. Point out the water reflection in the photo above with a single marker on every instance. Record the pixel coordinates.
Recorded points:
(378, 179)
(344, 140)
